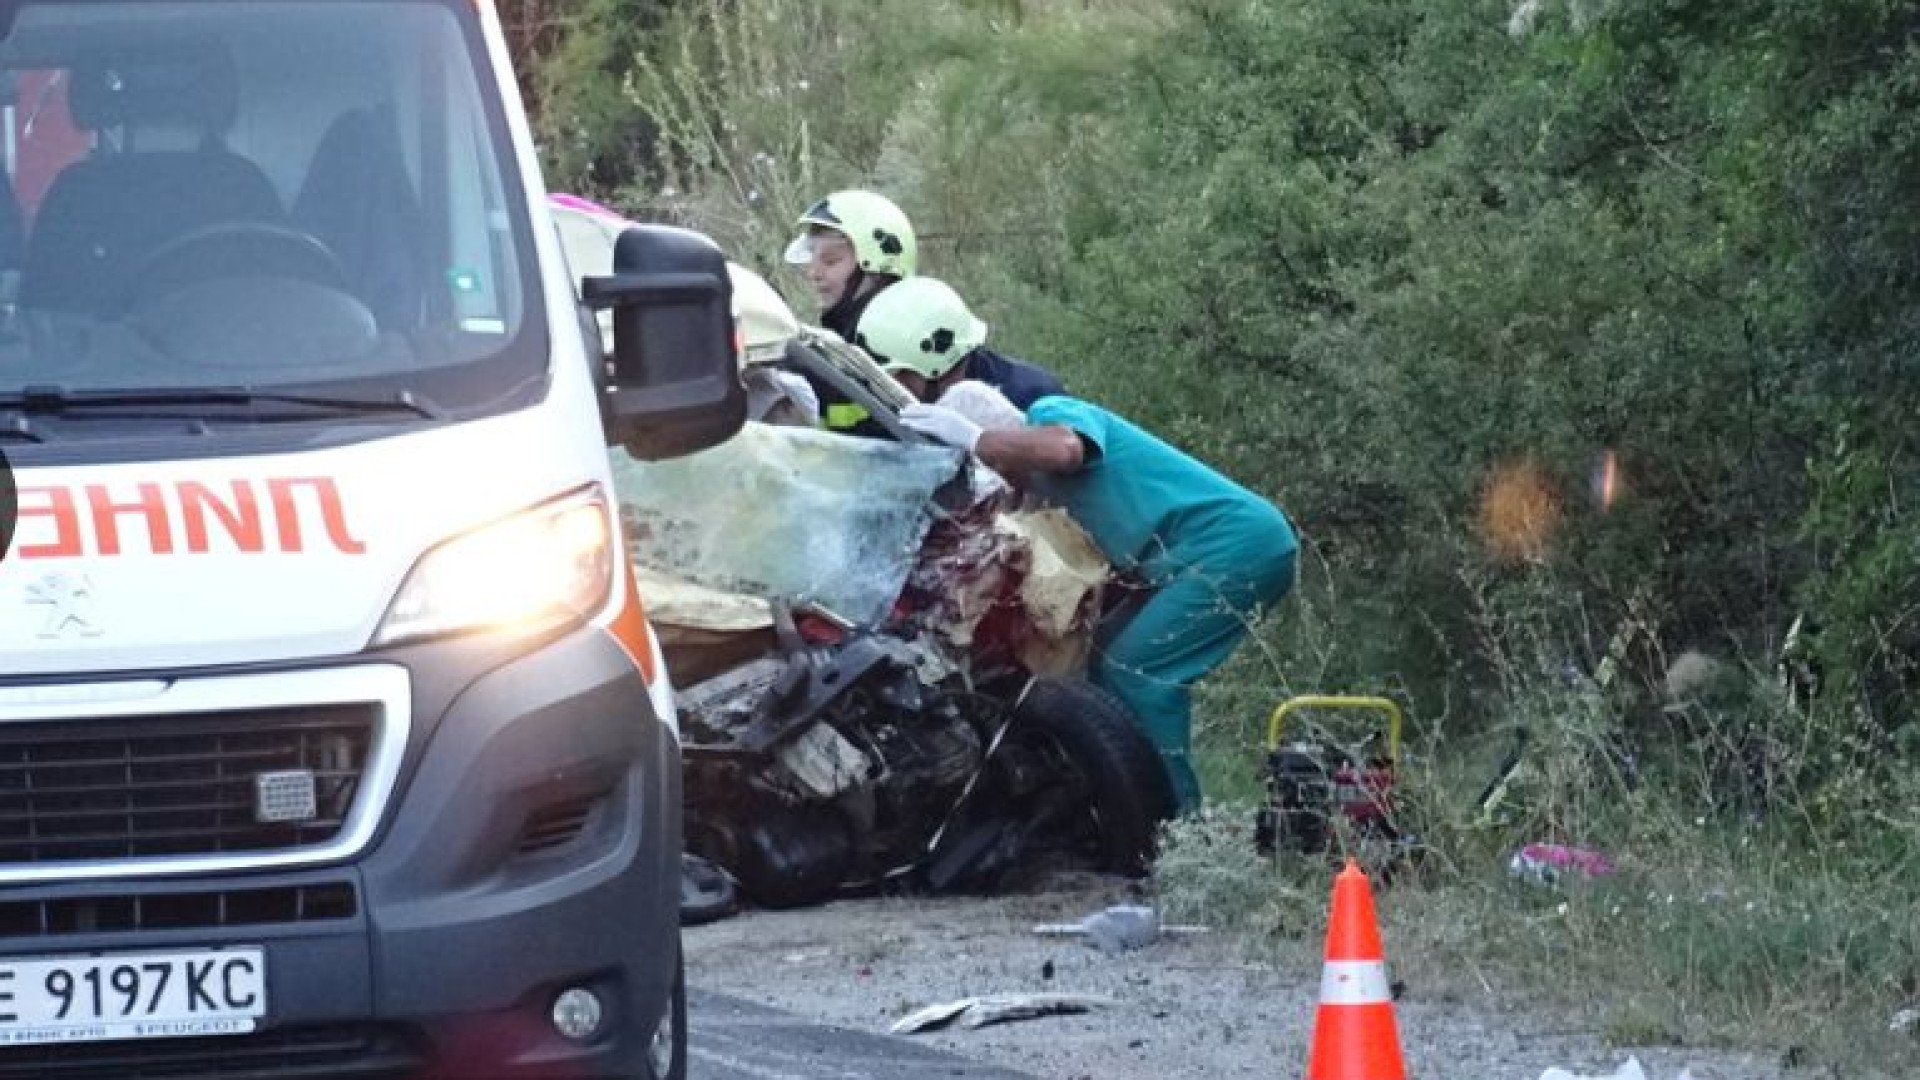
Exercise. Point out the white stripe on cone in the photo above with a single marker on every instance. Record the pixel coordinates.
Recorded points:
(1354, 982)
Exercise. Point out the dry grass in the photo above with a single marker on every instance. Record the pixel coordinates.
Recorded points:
(1738, 930)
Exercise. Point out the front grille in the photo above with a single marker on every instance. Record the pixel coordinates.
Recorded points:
(344, 1053)
(178, 784)
(178, 910)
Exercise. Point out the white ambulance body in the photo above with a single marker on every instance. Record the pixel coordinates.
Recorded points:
(333, 738)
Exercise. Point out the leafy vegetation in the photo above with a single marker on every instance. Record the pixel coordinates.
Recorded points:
(1577, 336)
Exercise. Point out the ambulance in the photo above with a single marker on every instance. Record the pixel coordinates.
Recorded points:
(334, 740)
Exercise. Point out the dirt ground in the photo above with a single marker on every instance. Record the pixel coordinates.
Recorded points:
(1184, 1008)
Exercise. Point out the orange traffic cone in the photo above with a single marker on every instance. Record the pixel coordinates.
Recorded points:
(1354, 1036)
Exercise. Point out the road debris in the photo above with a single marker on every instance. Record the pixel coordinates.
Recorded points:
(978, 1012)
(1905, 1022)
(1547, 864)
(1119, 928)
(1631, 1070)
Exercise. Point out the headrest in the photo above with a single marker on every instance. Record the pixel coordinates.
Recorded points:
(169, 84)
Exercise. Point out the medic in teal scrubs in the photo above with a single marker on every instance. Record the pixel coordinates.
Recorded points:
(1215, 553)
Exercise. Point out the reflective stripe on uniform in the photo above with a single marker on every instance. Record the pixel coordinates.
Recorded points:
(846, 414)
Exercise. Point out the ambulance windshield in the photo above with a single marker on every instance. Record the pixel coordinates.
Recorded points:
(275, 195)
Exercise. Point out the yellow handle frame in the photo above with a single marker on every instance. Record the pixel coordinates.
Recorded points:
(1359, 704)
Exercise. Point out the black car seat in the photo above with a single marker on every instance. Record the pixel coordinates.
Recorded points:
(360, 202)
(104, 214)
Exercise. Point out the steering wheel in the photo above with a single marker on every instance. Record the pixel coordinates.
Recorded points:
(246, 249)
(213, 295)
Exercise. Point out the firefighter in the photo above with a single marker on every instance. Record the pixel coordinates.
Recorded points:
(857, 244)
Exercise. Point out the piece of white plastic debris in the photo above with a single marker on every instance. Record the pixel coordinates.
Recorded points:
(1119, 928)
(1904, 1021)
(1122, 927)
(977, 1012)
(1629, 1071)
(932, 1016)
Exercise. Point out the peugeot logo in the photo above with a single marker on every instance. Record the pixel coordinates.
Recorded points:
(68, 600)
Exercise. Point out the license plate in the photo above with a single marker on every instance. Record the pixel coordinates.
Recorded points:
(132, 996)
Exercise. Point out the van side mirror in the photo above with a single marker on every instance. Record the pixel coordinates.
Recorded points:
(675, 386)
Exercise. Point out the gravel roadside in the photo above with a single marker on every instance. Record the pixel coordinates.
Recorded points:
(1184, 1008)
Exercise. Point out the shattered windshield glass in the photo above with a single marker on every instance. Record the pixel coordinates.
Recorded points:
(787, 513)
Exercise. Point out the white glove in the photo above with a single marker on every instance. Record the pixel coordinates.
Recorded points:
(941, 424)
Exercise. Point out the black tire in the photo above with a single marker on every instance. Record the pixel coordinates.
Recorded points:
(660, 1060)
(707, 893)
(1098, 733)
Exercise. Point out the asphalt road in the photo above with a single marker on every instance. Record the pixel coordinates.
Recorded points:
(731, 1039)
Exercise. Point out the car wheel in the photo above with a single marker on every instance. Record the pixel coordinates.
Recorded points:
(707, 893)
(1108, 757)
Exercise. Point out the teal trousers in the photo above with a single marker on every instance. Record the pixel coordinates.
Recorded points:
(1201, 609)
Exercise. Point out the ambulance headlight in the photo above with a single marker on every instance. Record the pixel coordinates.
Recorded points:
(541, 569)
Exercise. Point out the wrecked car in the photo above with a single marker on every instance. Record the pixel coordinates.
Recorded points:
(879, 652)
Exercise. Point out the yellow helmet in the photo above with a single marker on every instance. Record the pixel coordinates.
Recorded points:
(919, 325)
(881, 235)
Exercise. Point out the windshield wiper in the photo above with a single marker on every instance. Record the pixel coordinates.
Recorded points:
(19, 430)
(60, 401)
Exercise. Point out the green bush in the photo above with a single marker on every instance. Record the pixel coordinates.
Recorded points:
(1576, 335)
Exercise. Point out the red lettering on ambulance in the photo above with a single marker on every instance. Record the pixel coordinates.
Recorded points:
(55, 504)
(240, 518)
(286, 514)
(212, 516)
(106, 518)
